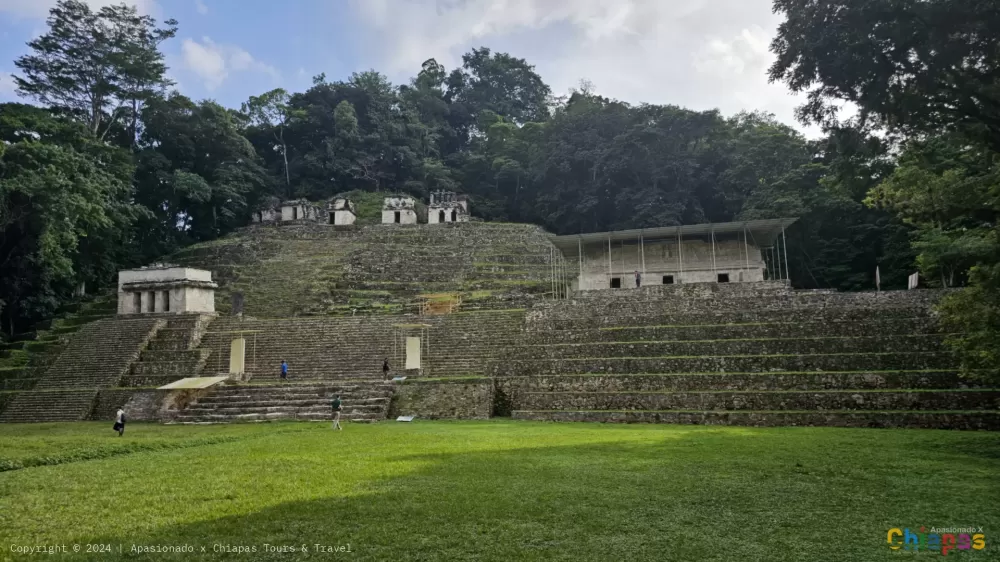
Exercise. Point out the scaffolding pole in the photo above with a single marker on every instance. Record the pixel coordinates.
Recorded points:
(579, 283)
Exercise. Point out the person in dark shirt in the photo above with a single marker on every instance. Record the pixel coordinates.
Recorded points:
(638, 280)
(385, 368)
(284, 370)
(337, 407)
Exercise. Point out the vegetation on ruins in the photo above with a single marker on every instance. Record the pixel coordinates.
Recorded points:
(494, 490)
(113, 169)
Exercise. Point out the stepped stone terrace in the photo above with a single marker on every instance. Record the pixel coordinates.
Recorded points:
(519, 338)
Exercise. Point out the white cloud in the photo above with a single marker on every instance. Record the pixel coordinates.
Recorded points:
(214, 63)
(40, 8)
(701, 54)
(8, 88)
(201, 7)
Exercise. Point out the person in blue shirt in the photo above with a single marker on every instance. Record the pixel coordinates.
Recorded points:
(284, 370)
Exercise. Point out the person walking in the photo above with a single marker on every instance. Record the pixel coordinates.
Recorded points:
(284, 370)
(385, 368)
(119, 422)
(337, 407)
(638, 279)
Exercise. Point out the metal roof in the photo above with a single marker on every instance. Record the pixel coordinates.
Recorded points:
(763, 233)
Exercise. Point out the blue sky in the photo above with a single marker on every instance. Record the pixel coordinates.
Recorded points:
(701, 54)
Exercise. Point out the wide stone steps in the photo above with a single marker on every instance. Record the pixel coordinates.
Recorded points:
(846, 399)
(761, 346)
(100, 353)
(872, 327)
(50, 406)
(732, 363)
(802, 381)
(179, 368)
(362, 402)
(958, 419)
(713, 315)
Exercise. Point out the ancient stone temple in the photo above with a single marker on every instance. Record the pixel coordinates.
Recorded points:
(267, 215)
(299, 209)
(447, 206)
(341, 211)
(399, 209)
(165, 289)
(738, 252)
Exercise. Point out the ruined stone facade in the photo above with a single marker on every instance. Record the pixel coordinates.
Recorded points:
(300, 210)
(341, 212)
(447, 206)
(399, 209)
(166, 290)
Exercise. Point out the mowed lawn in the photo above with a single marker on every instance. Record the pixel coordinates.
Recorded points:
(496, 490)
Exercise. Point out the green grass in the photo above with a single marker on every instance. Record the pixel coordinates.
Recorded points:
(498, 490)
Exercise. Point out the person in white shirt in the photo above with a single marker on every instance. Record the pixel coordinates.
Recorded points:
(120, 422)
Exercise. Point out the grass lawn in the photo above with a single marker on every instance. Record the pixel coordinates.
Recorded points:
(496, 490)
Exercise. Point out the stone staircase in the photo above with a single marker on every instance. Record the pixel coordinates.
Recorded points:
(172, 354)
(719, 354)
(97, 356)
(50, 406)
(363, 401)
(28, 356)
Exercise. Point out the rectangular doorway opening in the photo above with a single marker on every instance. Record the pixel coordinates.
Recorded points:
(723, 278)
(333, 218)
(668, 279)
(151, 305)
(397, 218)
(412, 353)
(136, 303)
(295, 213)
(616, 282)
(166, 301)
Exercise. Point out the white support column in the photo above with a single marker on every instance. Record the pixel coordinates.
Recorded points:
(610, 275)
(552, 271)
(624, 274)
(746, 248)
(776, 252)
(784, 245)
(680, 256)
(642, 252)
(715, 270)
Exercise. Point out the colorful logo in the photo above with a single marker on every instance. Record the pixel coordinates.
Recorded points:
(946, 540)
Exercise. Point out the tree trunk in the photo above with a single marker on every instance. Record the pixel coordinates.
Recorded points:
(135, 121)
(284, 156)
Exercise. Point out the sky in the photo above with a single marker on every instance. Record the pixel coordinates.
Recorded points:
(699, 54)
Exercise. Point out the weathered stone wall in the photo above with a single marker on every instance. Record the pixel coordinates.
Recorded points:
(196, 300)
(406, 216)
(139, 404)
(443, 399)
(5, 399)
(915, 420)
(345, 347)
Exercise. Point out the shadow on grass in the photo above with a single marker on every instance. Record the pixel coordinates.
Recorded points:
(698, 495)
